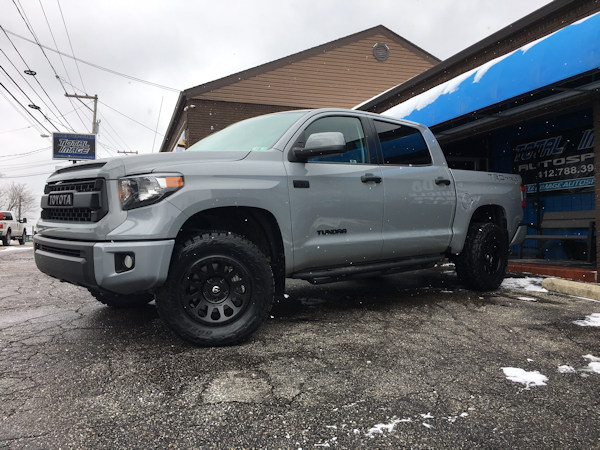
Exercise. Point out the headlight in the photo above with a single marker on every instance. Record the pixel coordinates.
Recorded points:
(135, 192)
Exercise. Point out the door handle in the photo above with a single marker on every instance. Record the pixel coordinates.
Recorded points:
(370, 177)
(439, 181)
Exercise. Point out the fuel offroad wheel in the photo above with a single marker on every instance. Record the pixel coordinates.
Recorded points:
(122, 301)
(219, 290)
(22, 238)
(6, 238)
(482, 263)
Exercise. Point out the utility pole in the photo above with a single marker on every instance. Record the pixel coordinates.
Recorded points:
(95, 98)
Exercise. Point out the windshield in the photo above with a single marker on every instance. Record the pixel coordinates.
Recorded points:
(256, 134)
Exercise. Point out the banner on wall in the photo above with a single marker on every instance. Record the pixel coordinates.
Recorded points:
(560, 162)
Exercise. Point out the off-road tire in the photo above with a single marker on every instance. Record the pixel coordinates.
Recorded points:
(481, 265)
(22, 239)
(6, 239)
(120, 301)
(219, 290)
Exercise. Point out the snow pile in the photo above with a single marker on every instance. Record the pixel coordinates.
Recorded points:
(531, 284)
(12, 248)
(594, 365)
(527, 299)
(389, 427)
(529, 379)
(566, 369)
(593, 320)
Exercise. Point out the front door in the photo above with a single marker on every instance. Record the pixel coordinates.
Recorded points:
(336, 201)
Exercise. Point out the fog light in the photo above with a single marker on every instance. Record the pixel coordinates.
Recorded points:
(124, 262)
(128, 262)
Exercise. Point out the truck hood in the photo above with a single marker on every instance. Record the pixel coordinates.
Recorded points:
(137, 165)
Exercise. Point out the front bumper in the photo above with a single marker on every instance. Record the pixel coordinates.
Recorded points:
(93, 264)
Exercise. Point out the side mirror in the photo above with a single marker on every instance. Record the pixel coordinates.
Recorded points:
(23, 220)
(321, 144)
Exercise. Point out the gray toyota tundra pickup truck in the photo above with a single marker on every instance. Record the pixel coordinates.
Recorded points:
(321, 195)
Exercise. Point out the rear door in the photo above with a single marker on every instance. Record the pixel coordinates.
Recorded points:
(336, 201)
(419, 196)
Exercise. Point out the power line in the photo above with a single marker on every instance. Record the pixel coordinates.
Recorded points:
(114, 72)
(71, 45)
(29, 27)
(27, 174)
(18, 155)
(34, 91)
(21, 113)
(130, 118)
(15, 129)
(32, 104)
(15, 99)
(29, 71)
(54, 40)
(107, 123)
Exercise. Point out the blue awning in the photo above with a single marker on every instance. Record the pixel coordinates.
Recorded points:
(567, 53)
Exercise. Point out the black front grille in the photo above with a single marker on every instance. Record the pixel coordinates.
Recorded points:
(89, 201)
(77, 186)
(60, 251)
(83, 186)
(70, 214)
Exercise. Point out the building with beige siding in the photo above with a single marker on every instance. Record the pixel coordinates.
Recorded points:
(342, 73)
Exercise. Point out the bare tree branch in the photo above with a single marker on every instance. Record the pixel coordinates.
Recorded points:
(17, 198)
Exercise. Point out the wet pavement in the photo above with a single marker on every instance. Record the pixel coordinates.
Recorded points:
(410, 360)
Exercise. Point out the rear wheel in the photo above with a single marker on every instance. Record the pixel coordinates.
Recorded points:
(219, 290)
(121, 301)
(6, 239)
(482, 263)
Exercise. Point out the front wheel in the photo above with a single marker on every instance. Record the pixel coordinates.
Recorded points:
(219, 290)
(22, 238)
(482, 263)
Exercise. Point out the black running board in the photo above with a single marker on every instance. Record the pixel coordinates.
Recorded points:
(320, 276)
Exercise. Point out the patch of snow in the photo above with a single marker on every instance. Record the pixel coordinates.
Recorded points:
(13, 248)
(389, 427)
(427, 416)
(593, 320)
(529, 379)
(530, 284)
(527, 299)
(427, 425)
(566, 369)
(594, 365)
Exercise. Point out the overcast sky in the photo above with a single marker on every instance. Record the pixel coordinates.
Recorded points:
(178, 44)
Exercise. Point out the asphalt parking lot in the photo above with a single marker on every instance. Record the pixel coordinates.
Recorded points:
(410, 360)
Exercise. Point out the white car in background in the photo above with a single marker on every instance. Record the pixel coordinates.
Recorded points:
(11, 228)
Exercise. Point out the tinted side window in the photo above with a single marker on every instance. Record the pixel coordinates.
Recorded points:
(351, 128)
(8, 216)
(402, 145)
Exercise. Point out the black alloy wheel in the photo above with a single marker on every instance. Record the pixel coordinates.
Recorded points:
(483, 261)
(220, 289)
(216, 290)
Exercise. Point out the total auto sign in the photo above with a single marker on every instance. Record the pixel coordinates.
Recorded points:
(73, 146)
(558, 162)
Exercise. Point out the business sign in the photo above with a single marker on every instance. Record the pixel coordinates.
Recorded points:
(73, 146)
(560, 162)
